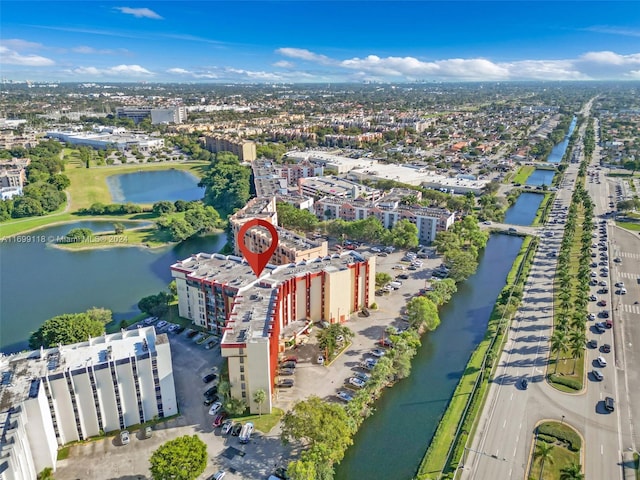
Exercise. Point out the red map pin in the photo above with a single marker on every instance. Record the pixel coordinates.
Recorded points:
(257, 261)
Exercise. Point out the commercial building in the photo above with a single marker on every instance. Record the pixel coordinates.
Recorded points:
(104, 140)
(244, 149)
(176, 114)
(13, 172)
(259, 316)
(331, 161)
(336, 187)
(291, 246)
(50, 397)
(389, 210)
(271, 179)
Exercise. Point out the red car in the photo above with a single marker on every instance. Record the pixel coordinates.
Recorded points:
(602, 303)
(219, 419)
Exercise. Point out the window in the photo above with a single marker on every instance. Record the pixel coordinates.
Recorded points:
(242, 378)
(241, 368)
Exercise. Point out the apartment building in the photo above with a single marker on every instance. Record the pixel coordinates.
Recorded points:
(261, 315)
(177, 114)
(9, 139)
(54, 396)
(244, 149)
(389, 210)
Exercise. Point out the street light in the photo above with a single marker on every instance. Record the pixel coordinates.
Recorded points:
(562, 421)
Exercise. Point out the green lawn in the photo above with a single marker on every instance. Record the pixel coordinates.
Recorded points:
(634, 227)
(561, 457)
(135, 237)
(523, 173)
(265, 422)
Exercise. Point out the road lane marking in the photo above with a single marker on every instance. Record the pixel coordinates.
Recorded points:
(504, 424)
(601, 449)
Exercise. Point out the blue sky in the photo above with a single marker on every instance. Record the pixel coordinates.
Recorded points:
(318, 41)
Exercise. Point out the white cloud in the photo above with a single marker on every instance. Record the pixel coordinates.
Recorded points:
(98, 51)
(633, 75)
(118, 70)
(193, 74)
(627, 32)
(11, 57)
(139, 12)
(611, 58)
(304, 54)
(284, 64)
(18, 44)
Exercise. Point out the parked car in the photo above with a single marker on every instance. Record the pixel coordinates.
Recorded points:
(362, 376)
(237, 428)
(597, 375)
(192, 333)
(345, 396)
(385, 342)
(124, 437)
(285, 383)
(592, 298)
(226, 427)
(286, 371)
(290, 358)
(147, 432)
(602, 303)
(219, 419)
(356, 382)
(211, 391)
(245, 433)
(593, 343)
(209, 378)
(320, 359)
(524, 383)
(210, 400)
(211, 344)
(601, 361)
(288, 365)
(215, 408)
(606, 348)
(591, 316)
(377, 352)
(218, 475)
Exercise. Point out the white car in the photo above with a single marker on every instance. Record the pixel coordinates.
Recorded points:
(601, 361)
(591, 316)
(161, 324)
(375, 250)
(620, 284)
(377, 352)
(215, 408)
(597, 374)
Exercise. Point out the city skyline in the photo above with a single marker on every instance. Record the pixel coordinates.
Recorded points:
(319, 41)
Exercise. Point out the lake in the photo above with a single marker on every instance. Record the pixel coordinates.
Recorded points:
(38, 281)
(154, 186)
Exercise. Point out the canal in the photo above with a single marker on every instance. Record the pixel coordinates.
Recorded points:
(391, 443)
(523, 212)
(541, 177)
(558, 151)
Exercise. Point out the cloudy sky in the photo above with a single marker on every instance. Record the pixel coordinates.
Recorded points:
(319, 41)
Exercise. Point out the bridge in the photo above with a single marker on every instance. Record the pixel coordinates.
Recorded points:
(509, 229)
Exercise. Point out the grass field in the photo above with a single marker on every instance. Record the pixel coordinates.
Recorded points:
(265, 422)
(634, 227)
(88, 186)
(561, 457)
(523, 173)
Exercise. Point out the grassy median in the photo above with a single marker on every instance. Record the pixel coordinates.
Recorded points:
(522, 174)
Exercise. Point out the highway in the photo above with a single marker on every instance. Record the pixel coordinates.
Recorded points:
(503, 441)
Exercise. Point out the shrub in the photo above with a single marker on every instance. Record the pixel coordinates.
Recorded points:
(561, 432)
(567, 382)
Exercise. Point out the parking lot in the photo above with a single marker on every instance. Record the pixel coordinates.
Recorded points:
(192, 361)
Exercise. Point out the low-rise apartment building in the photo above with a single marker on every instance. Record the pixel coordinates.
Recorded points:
(336, 187)
(261, 315)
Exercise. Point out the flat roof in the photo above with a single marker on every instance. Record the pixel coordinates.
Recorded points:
(21, 372)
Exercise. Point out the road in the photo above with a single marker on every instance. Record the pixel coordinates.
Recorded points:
(505, 227)
(502, 444)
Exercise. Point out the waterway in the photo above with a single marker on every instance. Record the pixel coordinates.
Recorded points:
(38, 281)
(392, 442)
(541, 177)
(558, 151)
(523, 212)
(154, 186)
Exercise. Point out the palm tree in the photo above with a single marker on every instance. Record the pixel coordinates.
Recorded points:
(572, 472)
(558, 345)
(259, 396)
(224, 389)
(543, 452)
(577, 340)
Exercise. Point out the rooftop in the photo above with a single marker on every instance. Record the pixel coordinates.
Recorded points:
(21, 373)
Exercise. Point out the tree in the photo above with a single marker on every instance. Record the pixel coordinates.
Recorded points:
(319, 423)
(224, 389)
(259, 396)
(102, 315)
(558, 344)
(235, 406)
(184, 458)
(79, 234)
(382, 279)
(66, 329)
(46, 474)
(163, 207)
(577, 340)
(543, 452)
(404, 234)
(328, 339)
(118, 228)
(423, 313)
(572, 472)
(155, 305)
(462, 264)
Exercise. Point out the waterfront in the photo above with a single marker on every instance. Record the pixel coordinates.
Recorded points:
(39, 281)
(391, 443)
(558, 151)
(541, 177)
